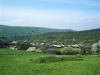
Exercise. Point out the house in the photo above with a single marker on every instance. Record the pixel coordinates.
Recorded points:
(58, 46)
(13, 47)
(75, 46)
(31, 49)
(81, 45)
(32, 44)
(14, 42)
(42, 44)
(68, 46)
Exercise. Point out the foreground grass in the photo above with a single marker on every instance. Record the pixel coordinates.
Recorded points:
(18, 63)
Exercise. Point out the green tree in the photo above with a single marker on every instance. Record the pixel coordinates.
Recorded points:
(24, 46)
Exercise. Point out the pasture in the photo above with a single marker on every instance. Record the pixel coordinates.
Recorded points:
(14, 62)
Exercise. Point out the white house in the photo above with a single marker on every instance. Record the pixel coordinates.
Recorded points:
(31, 49)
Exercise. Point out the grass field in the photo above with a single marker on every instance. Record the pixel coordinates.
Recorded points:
(18, 63)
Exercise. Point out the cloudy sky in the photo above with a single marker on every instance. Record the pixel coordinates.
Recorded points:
(60, 14)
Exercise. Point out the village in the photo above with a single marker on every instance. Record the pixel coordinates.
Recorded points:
(54, 47)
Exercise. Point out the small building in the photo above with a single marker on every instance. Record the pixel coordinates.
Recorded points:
(32, 44)
(31, 49)
(58, 46)
(14, 42)
(75, 46)
(42, 44)
(13, 47)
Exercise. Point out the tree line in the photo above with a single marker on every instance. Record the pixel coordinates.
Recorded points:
(85, 37)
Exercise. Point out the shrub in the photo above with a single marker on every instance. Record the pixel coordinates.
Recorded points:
(70, 51)
(51, 51)
(24, 46)
(43, 49)
(56, 52)
(51, 59)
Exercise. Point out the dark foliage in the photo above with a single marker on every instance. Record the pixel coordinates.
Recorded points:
(24, 46)
(85, 50)
(4, 43)
(56, 52)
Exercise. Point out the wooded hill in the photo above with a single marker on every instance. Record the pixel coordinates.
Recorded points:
(83, 37)
(13, 31)
(37, 34)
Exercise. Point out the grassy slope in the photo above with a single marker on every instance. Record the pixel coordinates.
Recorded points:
(17, 63)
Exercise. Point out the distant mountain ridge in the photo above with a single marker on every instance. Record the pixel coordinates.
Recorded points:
(12, 31)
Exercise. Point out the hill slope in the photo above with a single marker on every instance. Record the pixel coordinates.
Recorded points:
(14, 62)
(88, 36)
(12, 31)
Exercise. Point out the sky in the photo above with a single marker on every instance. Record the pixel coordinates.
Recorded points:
(58, 14)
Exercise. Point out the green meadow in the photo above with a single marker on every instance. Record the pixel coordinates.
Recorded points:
(14, 62)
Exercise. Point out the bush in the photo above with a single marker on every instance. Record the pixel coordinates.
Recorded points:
(51, 51)
(56, 52)
(70, 51)
(51, 59)
(85, 50)
(43, 49)
(24, 46)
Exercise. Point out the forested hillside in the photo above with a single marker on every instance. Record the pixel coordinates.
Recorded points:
(13, 31)
(88, 36)
(36, 34)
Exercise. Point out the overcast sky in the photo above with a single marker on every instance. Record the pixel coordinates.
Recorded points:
(60, 14)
